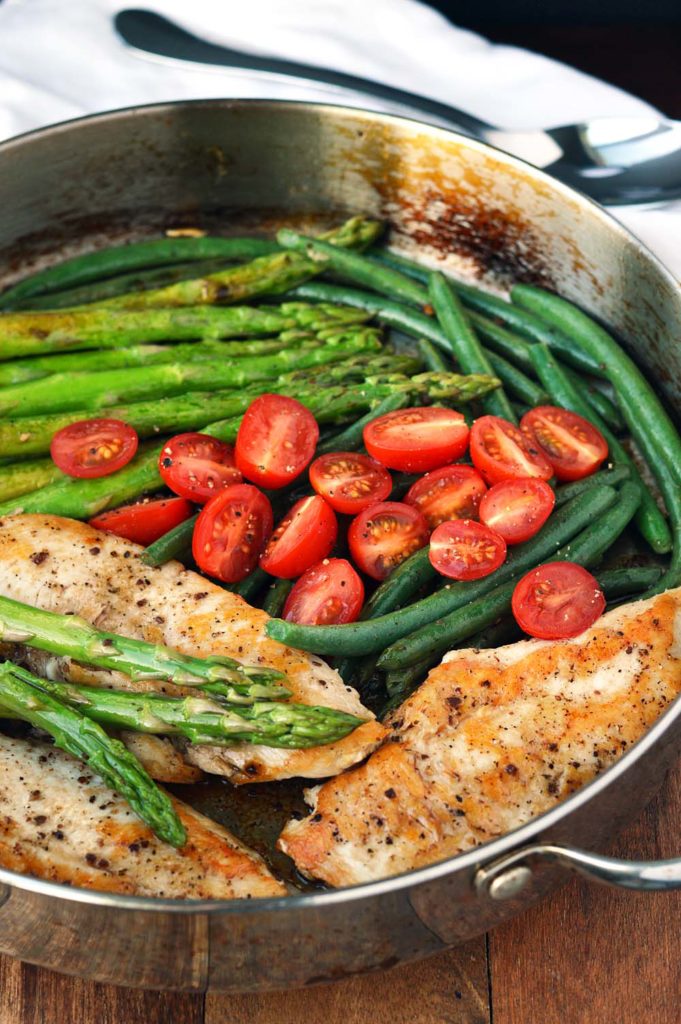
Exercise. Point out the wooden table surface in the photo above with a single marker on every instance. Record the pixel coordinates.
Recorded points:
(588, 955)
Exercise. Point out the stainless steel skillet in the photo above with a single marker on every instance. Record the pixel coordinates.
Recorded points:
(136, 172)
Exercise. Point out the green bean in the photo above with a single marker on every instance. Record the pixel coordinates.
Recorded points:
(432, 357)
(464, 343)
(121, 258)
(433, 639)
(607, 477)
(355, 267)
(351, 438)
(275, 597)
(138, 280)
(375, 634)
(396, 591)
(176, 543)
(517, 350)
(516, 382)
(525, 323)
(598, 401)
(253, 584)
(648, 421)
(631, 579)
(503, 342)
(649, 519)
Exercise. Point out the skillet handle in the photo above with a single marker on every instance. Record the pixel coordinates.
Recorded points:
(508, 876)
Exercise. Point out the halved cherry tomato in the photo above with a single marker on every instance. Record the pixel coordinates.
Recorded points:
(452, 492)
(573, 446)
(349, 481)
(197, 466)
(329, 593)
(91, 448)
(276, 440)
(503, 452)
(231, 531)
(303, 537)
(557, 601)
(384, 534)
(466, 550)
(145, 522)
(416, 440)
(517, 509)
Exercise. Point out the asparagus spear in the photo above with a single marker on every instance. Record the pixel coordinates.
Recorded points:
(98, 390)
(21, 693)
(19, 478)
(31, 435)
(81, 499)
(200, 719)
(267, 275)
(29, 334)
(116, 259)
(137, 280)
(72, 637)
(20, 371)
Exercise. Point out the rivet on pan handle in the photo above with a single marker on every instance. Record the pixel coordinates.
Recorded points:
(508, 876)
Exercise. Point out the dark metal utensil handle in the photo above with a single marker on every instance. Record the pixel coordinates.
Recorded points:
(507, 877)
(154, 33)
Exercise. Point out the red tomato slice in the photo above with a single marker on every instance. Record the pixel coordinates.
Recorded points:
(517, 509)
(416, 440)
(276, 440)
(503, 452)
(329, 593)
(231, 531)
(557, 601)
(452, 492)
(350, 482)
(573, 446)
(383, 535)
(92, 448)
(303, 537)
(197, 466)
(466, 550)
(145, 522)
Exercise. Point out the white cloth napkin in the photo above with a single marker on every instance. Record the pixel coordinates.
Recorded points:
(62, 58)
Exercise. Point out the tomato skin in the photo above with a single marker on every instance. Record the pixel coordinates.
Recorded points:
(557, 601)
(465, 550)
(418, 439)
(329, 593)
(350, 481)
(305, 536)
(517, 509)
(93, 448)
(276, 440)
(451, 492)
(500, 451)
(573, 446)
(383, 535)
(146, 521)
(231, 531)
(197, 466)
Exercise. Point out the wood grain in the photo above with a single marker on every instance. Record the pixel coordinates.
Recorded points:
(592, 954)
(449, 988)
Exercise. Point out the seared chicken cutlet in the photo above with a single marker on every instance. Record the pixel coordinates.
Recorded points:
(60, 822)
(491, 739)
(65, 566)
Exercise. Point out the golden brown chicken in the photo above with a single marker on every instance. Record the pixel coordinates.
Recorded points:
(69, 567)
(490, 740)
(58, 821)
